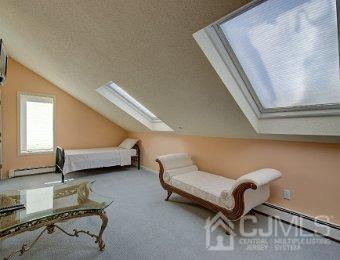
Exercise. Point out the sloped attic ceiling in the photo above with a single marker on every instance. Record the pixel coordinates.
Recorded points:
(146, 47)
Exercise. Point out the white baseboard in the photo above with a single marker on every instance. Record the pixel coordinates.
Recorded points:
(30, 171)
(301, 220)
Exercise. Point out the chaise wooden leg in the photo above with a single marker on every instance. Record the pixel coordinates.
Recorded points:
(226, 231)
(169, 194)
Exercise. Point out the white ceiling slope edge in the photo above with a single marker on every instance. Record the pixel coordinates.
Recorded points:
(146, 47)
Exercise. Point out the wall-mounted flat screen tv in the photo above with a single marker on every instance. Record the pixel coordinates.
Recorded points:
(3, 63)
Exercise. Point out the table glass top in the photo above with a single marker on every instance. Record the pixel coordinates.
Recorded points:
(48, 201)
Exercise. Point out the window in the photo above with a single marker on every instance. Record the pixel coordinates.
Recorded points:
(133, 102)
(280, 61)
(130, 105)
(36, 123)
(286, 52)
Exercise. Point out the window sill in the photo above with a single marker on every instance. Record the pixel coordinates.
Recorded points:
(36, 153)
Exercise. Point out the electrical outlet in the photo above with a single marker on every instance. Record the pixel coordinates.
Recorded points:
(286, 194)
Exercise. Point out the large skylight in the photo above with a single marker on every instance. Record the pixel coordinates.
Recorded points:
(287, 53)
(130, 105)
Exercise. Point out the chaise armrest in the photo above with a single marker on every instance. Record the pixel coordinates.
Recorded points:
(175, 161)
(255, 181)
(175, 164)
(259, 177)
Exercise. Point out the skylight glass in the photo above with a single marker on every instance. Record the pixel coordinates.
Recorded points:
(287, 52)
(119, 97)
(132, 101)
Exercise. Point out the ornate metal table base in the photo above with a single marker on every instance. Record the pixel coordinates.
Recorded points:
(50, 227)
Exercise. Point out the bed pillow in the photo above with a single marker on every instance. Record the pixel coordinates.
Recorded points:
(128, 143)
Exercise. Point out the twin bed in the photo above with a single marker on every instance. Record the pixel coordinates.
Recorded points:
(68, 161)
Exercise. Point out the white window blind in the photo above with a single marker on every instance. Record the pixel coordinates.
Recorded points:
(287, 52)
(36, 123)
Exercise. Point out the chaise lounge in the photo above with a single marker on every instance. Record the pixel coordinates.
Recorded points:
(233, 198)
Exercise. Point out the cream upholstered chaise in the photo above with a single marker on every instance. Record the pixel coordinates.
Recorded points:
(233, 198)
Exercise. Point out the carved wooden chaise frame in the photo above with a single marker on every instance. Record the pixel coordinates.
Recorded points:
(60, 160)
(233, 214)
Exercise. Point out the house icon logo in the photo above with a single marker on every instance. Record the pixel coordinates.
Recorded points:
(218, 242)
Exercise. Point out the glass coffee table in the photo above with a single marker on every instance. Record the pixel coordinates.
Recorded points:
(46, 206)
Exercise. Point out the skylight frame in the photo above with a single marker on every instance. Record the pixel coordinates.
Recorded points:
(123, 100)
(133, 103)
(291, 111)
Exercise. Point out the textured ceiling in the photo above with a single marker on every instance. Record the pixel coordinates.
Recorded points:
(146, 47)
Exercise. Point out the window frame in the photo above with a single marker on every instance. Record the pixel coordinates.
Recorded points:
(114, 97)
(292, 111)
(131, 104)
(19, 123)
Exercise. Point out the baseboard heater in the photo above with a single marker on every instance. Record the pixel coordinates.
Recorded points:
(323, 228)
(31, 171)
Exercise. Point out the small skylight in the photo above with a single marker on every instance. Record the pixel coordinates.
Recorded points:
(133, 102)
(287, 53)
(130, 105)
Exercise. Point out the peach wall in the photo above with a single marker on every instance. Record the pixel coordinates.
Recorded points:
(77, 125)
(311, 171)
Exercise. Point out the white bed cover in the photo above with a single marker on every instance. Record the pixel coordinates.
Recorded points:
(81, 159)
